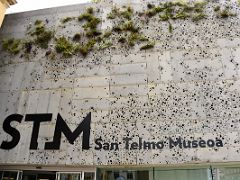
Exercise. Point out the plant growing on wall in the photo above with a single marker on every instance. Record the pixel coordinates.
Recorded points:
(148, 46)
(176, 10)
(127, 13)
(13, 46)
(85, 48)
(65, 47)
(41, 36)
(125, 31)
(67, 19)
(225, 13)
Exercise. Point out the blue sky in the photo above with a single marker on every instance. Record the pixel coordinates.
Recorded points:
(28, 5)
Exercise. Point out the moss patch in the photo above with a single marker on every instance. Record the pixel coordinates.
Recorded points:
(90, 10)
(113, 14)
(225, 13)
(85, 16)
(129, 26)
(65, 47)
(148, 46)
(170, 27)
(92, 23)
(67, 19)
(41, 35)
(77, 37)
(38, 22)
(13, 46)
(135, 38)
(104, 45)
(125, 31)
(93, 33)
(85, 49)
(90, 26)
(198, 16)
(127, 13)
(176, 10)
(43, 39)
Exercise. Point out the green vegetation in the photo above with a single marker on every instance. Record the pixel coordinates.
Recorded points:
(148, 46)
(90, 26)
(136, 37)
(13, 46)
(43, 39)
(90, 10)
(199, 6)
(164, 17)
(117, 28)
(65, 47)
(41, 35)
(150, 6)
(93, 33)
(38, 22)
(125, 30)
(181, 15)
(92, 23)
(129, 26)
(127, 13)
(105, 45)
(170, 27)
(77, 37)
(151, 12)
(85, 16)
(199, 16)
(113, 14)
(177, 10)
(67, 19)
(85, 49)
(225, 13)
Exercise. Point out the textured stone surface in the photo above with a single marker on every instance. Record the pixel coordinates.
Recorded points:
(187, 86)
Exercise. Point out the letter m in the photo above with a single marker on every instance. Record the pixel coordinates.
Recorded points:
(62, 127)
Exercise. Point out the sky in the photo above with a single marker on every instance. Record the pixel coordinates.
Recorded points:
(28, 5)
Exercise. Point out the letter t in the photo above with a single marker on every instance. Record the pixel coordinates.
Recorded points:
(37, 119)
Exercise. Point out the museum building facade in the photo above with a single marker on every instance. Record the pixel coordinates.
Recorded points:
(121, 90)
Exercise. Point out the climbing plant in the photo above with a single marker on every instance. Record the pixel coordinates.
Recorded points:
(126, 31)
(12, 46)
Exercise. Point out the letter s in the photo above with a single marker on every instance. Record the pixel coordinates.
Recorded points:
(11, 131)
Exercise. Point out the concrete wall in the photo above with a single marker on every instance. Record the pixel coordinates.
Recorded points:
(187, 86)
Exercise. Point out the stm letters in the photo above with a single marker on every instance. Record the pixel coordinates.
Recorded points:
(60, 127)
